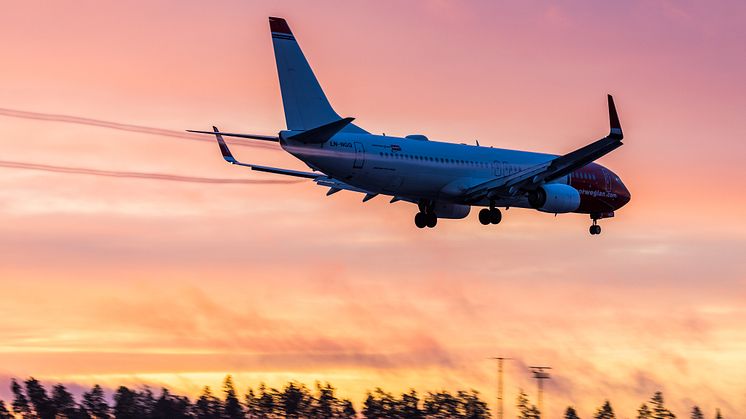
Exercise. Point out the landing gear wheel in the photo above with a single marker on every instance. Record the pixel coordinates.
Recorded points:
(484, 216)
(420, 220)
(595, 229)
(495, 216)
(432, 220)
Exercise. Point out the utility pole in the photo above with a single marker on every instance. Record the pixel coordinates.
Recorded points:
(540, 374)
(500, 385)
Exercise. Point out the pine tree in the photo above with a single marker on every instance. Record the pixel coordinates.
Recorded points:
(94, 403)
(570, 413)
(697, 413)
(718, 415)
(471, 406)
(232, 407)
(126, 405)
(644, 412)
(63, 402)
(409, 405)
(659, 408)
(441, 405)
(324, 404)
(207, 406)
(295, 402)
(21, 404)
(266, 402)
(605, 412)
(525, 409)
(4, 413)
(145, 402)
(39, 399)
(347, 410)
(252, 404)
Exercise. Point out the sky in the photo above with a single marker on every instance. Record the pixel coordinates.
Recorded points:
(114, 271)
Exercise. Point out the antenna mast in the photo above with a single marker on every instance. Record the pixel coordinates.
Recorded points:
(540, 374)
(500, 385)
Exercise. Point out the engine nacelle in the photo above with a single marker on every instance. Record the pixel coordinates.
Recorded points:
(555, 198)
(452, 211)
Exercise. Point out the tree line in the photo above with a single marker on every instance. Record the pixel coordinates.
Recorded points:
(31, 400)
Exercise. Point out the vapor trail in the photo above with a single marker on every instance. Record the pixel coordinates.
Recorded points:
(126, 127)
(137, 175)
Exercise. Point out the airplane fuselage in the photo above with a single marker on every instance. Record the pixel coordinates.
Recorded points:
(417, 168)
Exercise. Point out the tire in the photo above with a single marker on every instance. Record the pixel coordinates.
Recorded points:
(495, 216)
(484, 216)
(432, 220)
(595, 229)
(420, 220)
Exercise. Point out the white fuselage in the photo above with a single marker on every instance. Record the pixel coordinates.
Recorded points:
(414, 168)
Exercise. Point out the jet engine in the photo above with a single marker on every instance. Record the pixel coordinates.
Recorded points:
(452, 211)
(555, 198)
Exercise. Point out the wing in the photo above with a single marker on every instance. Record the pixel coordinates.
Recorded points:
(533, 177)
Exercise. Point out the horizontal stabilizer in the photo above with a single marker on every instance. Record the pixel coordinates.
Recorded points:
(250, 136)
(322, 134)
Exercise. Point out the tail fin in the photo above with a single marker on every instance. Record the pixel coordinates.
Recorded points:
(305, 104)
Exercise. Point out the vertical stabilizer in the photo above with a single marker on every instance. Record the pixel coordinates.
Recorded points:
(306, 105)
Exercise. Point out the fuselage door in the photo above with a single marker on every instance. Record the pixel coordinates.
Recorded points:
(359, 156)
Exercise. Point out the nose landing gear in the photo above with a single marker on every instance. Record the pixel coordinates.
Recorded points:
(595, 228)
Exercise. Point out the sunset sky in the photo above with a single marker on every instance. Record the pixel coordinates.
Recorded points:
(130, 281)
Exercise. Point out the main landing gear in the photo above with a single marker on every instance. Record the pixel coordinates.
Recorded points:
(426, 217)
(595, 228)
(490, 215)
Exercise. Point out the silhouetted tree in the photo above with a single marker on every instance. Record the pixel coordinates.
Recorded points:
(441, 405)
(267, 402)
(347, 410)
(605, 412)
(644, 412)
(570, 413)
(145, 402)
(379, 404)
(64, 403)
(409, 405)
(126, 405)
(231, 407)
(21, 404)
(718, 415)
(697, 413)
(325, 403)
(207, 406)
(169, 406)
(251, 401)
(525, 409)
(659, 408)
(4, 413)
(39, 399)
(95, 403)
(471, 406)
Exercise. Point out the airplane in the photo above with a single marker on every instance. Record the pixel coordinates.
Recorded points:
(443, 179)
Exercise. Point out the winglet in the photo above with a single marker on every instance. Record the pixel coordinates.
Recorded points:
(224, 150)
(616, 127)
